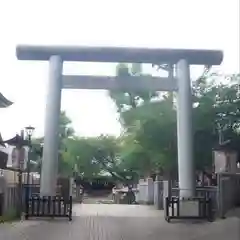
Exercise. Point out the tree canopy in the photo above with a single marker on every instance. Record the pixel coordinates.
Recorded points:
(148, 143)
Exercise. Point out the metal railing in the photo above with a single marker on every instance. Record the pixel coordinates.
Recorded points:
(208, 192)
(173, 207)
(49, 206)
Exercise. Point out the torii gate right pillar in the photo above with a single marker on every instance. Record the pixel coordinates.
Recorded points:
(186, 169)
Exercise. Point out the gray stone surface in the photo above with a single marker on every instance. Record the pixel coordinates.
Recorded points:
(119, 54)
(119, 222)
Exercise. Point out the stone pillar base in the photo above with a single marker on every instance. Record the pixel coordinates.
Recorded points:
(189, 208)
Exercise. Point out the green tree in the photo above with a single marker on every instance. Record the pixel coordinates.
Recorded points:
(94, 156)
(65, 132)
(145, 117)
(150, 142)
(128, 100)
(216, 113)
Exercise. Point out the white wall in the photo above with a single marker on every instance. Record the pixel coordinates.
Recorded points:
(146, 191)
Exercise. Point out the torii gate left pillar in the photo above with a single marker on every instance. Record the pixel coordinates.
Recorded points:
(181, 57)
(49, 169)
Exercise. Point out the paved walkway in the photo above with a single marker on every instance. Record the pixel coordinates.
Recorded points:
(119, 222)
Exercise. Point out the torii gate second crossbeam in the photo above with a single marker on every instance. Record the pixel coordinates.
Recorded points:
(182, 58)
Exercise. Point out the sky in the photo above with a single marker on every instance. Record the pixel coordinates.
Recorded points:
(210, 24)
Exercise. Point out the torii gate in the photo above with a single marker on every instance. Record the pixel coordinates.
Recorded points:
(56, 55)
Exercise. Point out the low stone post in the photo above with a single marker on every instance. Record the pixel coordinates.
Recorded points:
(158, 194)
(165, 192)
(150, 191)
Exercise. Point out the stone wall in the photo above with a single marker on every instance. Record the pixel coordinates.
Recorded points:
(11, 177)
(229, 192)
(9, 196)
(146, 191)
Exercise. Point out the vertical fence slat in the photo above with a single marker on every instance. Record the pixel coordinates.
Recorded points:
(59, 205)
(70, 208)
(49, 206)
(43, 206)
(1, 203)
(65, 204)
(32, 200)
(54, 206)
(172, 206)
(38, 205)
(178, 208)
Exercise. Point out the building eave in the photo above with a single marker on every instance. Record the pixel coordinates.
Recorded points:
(4, 102)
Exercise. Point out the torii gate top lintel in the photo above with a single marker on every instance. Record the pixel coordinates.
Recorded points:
(120, 54)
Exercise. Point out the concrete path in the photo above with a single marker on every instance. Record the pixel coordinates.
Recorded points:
(119, 222)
